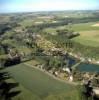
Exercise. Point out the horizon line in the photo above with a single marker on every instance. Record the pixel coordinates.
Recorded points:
(48, 11)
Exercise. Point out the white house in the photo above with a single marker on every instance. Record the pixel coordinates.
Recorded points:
(96, 91)
(67, 70)
(71, 78)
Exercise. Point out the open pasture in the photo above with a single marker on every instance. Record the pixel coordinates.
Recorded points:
(41, 85)
(90, 38)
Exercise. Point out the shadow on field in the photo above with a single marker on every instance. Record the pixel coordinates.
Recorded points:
(7, 90)
(96, 98)
(11, 62)
(4, 76)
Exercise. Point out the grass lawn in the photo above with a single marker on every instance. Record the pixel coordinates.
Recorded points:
(41, 85)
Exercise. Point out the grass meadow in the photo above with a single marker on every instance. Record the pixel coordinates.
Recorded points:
(89, 34)
(39, 86)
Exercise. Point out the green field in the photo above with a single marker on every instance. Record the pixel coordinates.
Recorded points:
(75, 27)
(40, 85)
(24, 94)
(83, 26)
(89, 34)
(88, 38)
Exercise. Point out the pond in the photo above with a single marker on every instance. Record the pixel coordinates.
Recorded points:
(71, 61)
(88, 67)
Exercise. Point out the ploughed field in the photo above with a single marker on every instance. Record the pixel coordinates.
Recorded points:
(40, 85)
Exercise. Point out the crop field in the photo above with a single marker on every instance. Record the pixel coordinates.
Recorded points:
(42, 86)
(89, 32)
(24, 94)
(76, 27)
(84, 26)
(89, 38)
(27, 22)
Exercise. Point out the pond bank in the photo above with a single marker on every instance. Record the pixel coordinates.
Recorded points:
(88, 60)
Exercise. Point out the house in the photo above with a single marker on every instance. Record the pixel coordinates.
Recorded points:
(96, 90)
(67, 70)
(71, 78)
(97, 62)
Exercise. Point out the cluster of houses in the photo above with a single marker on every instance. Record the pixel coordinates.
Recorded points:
(83, 59)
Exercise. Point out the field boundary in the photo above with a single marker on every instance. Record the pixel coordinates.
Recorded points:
(49, 74)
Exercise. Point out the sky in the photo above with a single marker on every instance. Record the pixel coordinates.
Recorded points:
(7, 6)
